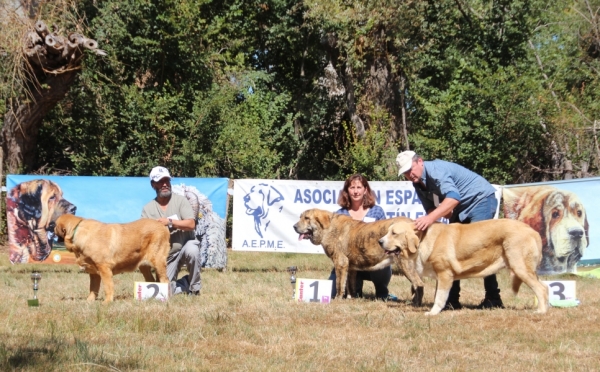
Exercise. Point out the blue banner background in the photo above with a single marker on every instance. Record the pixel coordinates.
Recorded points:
(121, 199)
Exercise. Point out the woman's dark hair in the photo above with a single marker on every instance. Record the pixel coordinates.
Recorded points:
(368, 199)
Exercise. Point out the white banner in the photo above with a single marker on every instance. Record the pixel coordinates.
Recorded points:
(265, 211)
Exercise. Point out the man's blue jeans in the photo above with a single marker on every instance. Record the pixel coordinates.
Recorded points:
(485, 210)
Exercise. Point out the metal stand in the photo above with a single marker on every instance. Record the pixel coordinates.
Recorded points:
(35, 278)
(292, 270)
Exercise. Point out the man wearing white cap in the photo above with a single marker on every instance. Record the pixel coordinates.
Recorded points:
(450, 190)
(175, 212)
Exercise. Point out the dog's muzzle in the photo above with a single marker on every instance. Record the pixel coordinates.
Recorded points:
(303, 235)
(395, 252)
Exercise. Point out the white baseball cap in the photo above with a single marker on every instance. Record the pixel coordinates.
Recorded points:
(404, 161)
(158, 173)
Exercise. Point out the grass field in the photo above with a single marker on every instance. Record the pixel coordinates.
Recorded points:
(245, 320)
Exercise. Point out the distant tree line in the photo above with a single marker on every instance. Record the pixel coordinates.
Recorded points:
(314, 89)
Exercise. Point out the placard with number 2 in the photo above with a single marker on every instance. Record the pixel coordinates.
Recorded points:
(148, 290)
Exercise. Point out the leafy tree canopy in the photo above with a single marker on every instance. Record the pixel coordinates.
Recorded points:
(322, 89)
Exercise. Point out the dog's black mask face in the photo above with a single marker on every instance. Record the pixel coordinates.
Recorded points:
(30, 206)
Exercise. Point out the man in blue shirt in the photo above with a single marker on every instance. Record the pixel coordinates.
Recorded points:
(450, 190)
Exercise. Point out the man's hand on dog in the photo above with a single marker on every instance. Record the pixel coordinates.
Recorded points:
(185, 225)
(424, 222)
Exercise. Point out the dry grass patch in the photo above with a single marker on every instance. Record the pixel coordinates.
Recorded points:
(245, 320)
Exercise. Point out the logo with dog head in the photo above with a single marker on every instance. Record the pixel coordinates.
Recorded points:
(259, 202)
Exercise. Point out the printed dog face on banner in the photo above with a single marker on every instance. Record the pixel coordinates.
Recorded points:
(32, 209)
(261, 199)
(558, 216)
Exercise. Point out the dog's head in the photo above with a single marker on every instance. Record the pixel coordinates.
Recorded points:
(401, 240)
(566, 229)
(33, 208)
(259, 201)
(313, 224)
(65, 227)
(561, 220)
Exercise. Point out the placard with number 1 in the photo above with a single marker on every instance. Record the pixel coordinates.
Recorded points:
(313, 290)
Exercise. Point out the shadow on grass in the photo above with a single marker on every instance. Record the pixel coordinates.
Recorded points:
(51, 354)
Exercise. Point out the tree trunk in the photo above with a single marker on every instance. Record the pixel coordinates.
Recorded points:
(51, 63)
(381, 90)
(403, 110)
(22, 122)
(359, 126)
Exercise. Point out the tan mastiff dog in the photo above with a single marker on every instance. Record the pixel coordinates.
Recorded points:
(475, 250)
(353, 246)
(104, 250)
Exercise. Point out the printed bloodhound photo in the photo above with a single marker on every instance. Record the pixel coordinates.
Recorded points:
(32, 209)
(558, 216)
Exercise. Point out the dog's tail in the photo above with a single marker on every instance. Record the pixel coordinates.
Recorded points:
(516, 283)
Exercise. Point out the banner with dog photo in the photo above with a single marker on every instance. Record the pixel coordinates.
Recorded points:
(265, 211)
(562, 213)
(33, 203)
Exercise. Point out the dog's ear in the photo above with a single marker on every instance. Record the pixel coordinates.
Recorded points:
(586, 228)
(323, 218)
(533, 214)
(413, 242)
(273, 196)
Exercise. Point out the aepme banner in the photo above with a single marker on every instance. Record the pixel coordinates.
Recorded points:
(265, 211)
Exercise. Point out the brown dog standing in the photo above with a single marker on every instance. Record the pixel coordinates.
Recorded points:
(104, 250)
(353, 246)
(476, 250)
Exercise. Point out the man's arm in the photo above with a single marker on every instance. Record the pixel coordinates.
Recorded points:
(442, 210)
(185, 225)
(186, 213)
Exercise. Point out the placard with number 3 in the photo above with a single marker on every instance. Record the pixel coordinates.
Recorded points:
(561, 289)
(313, 290)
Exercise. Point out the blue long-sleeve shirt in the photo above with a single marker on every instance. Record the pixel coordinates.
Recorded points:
(443, 179)
(375, 212)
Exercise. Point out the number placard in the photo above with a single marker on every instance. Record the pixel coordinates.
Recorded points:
(313, 290)
(561, 289)
(147, 290)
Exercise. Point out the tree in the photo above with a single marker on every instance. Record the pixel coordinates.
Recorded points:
(45, 64)
(566, 45)
(306, 89)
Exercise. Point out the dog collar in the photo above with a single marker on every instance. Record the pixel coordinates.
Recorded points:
(75, 229)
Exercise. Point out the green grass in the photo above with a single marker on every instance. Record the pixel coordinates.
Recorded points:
(246, 320)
